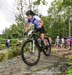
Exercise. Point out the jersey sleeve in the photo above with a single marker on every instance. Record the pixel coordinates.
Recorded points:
(27, 21)
(37, 17)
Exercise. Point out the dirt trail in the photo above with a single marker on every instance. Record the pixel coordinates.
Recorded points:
(47, 66)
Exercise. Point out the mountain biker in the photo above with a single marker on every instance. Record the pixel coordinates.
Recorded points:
(38, 24)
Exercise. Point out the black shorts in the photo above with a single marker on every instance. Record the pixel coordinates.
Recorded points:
(41, 30)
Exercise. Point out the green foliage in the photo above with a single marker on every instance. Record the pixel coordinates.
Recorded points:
(15, 31)
(69, 71)
(60, 13)
(54, 28)
(10, 53)
(2, 40)
(13, 52)
(2, 46)
(37, 2)
(47, 22)
(2, 55)
(57, 23)
(67, 3)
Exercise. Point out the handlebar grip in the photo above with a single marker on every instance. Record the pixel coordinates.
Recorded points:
(25, 33)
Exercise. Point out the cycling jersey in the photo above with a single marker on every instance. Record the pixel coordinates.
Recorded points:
(71, 41)
(35, 21)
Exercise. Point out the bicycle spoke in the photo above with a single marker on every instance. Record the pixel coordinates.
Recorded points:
(31, 52)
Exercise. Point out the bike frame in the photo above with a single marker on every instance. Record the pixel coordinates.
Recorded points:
(34, 41)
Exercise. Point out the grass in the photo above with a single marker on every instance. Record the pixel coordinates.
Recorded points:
(2, 46)
(10, 53)
(69, 72)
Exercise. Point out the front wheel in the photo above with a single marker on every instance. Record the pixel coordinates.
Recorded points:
(47, 50)
(30, 53)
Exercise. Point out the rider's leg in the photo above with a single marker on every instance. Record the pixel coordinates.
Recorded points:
(43, 39)
(42, 35)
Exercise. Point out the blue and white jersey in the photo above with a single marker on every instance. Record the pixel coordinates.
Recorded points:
(35, 21)
(71, 40)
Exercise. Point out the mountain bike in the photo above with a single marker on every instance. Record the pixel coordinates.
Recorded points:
(32, 47)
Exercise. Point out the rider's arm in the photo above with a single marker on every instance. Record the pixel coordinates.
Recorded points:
(27, 27)
(40, 20)
(41, 23)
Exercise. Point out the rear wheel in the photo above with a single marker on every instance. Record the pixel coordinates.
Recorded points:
(30, 53)
(47, 50)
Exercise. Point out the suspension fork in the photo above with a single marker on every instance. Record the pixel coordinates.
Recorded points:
(32, 46)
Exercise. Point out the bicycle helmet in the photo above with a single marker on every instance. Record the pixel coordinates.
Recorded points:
(30, 12)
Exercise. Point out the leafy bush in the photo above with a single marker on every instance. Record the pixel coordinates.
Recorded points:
(70, 71)
(2, 46)
(2, 41)
(10, 53)
(13, 52)
(2, 55)
(13, 42)
(70, 56)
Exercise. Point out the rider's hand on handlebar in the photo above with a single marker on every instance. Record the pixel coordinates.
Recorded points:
(25, 33)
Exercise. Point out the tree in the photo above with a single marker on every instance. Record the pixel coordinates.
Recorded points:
(60, 11)
(16, 30)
